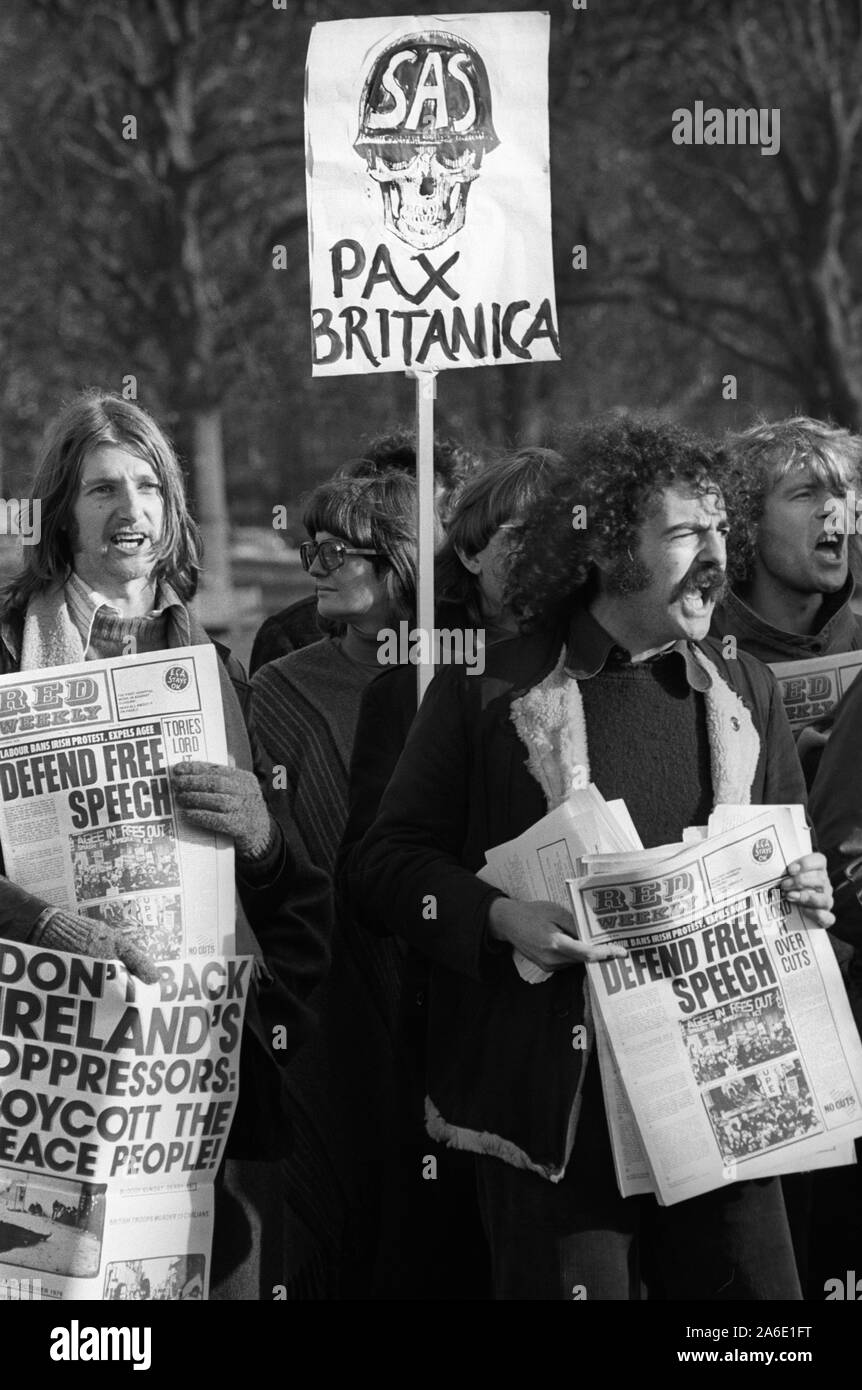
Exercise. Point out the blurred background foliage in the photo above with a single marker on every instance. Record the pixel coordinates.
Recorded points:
(152, 257)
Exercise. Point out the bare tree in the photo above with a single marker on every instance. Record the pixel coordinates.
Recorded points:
(166, 161)
(758, 254)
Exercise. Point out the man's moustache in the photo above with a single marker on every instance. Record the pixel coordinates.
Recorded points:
(712, 582)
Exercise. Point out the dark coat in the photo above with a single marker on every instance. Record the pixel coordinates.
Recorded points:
(288, 631)
(840, 629)
(501, 1060)
(836, 810)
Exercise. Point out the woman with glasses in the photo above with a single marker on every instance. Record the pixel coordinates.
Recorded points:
(426, 1221)
(393, 452)
(362, 557)
(471, 571)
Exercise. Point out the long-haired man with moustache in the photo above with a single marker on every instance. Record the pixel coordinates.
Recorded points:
(613, 679)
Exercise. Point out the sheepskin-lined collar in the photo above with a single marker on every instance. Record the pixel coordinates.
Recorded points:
(550, 723)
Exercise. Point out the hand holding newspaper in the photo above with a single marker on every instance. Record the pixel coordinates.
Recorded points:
(728, 1021)
(770, 1034)
(117, 1097)
(536, 866)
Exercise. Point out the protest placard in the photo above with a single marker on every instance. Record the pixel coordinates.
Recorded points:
(428, 193)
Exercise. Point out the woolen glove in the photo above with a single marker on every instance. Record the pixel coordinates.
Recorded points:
(84, 936)
(226, 800)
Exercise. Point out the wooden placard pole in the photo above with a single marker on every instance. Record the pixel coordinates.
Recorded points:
(426, 394)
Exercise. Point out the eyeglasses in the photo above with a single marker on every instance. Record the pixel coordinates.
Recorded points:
(330, 554)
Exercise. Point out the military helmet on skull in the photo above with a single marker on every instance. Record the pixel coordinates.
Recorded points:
(425, 123)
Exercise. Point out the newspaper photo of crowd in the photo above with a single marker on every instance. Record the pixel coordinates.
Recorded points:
(728, 1040)
(51, 1224)
(755, 1113)
(128, 859)
(173, 1278)
(158, 917)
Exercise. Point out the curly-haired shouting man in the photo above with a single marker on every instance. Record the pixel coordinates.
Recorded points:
(616, 579)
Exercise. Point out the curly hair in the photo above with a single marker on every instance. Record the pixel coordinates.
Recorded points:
(761, 456)
(373, 513)
(91, 419)
(613, 470)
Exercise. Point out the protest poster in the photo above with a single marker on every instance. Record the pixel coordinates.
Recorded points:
(429, 210)
(811, 689)
(116, 1098)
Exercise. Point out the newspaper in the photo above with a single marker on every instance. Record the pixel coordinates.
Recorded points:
(728, 1020)
(536, 866)
(811, 689)
(87, 820)
(631, 1163)
(116, 1098)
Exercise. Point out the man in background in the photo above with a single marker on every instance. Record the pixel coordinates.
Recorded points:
(788, 497)
(788, 557)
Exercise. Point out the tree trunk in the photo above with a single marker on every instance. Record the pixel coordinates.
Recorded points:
(217, 603)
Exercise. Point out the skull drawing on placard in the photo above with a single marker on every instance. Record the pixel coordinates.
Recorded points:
(424, 127)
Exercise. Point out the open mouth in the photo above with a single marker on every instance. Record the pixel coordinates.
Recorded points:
(697, 602)
(699, 598)
(830, 544)
(128, 541)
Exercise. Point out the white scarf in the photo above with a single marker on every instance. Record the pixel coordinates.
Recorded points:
(50, 636)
